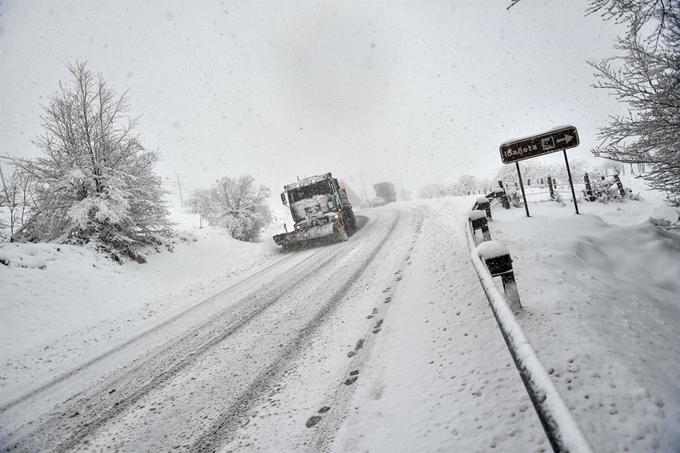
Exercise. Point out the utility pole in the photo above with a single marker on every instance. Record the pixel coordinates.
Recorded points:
(167, 180)
(361, 173)
(179, 187)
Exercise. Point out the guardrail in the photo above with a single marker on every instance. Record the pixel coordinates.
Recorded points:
(560, 427)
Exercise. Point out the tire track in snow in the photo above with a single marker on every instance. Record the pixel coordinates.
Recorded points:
(84, 413)
(93, 361)
(230, 421)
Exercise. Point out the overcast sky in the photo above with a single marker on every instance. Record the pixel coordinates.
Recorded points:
(409, 92)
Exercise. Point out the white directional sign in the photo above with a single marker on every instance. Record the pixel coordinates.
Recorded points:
(545, 143)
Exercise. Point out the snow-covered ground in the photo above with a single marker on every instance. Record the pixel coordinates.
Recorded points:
(62, 304)
(601, 306)
(601, 298)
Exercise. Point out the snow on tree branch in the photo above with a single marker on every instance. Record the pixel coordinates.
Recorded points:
(647, 78)
(235, 204)
(94, 183)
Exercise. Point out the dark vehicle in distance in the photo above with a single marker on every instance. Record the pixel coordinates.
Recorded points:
(385, 190)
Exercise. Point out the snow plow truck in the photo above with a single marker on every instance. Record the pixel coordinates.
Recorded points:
(320, 209)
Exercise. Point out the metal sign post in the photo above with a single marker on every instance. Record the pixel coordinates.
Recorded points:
(521, 185)
(571, 183)
(558, 139)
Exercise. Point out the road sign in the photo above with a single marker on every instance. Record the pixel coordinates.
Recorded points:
(545, 143)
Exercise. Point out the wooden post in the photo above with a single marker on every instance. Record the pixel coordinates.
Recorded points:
(589, 188)
(622, 191)
(550, 186)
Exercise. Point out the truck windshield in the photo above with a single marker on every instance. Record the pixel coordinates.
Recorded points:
(319, 188)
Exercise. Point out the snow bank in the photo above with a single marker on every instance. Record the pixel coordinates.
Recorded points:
(560, 426)
(33, 256)
(600, 293)
(61, 304)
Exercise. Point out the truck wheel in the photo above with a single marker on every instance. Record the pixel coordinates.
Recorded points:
(350, 222)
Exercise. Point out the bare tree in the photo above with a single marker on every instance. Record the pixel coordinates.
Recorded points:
(95, 183)
(16, 196)
(647, 78)
(638, 13)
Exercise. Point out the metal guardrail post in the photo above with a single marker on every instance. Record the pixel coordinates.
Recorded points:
(501, 266)
(483, 204)
(499, 194)
(478, 221)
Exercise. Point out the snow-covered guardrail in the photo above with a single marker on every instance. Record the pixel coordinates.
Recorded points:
(483, 204)
(559, 425)
(498, 262)
(478, 221)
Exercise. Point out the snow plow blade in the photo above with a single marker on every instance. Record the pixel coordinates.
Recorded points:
(317, 232)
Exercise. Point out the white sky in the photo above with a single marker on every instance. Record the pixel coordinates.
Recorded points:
(410, 92)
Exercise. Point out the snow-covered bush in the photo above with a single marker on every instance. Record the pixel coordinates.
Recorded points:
(432, 191)
(235, 204)
(95, 183)
(606, 190)
(514, 197)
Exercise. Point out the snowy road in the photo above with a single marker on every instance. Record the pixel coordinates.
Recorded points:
(382, 343)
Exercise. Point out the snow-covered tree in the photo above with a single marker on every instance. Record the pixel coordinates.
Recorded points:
(537, 170)
(609, 167)
(467, 183)
(432, 191)
(647, 78)
(95, 183)
(15, 196)
(199, 202)
(235, 204)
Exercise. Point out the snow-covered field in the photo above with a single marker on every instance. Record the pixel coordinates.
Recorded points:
(601, 306)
